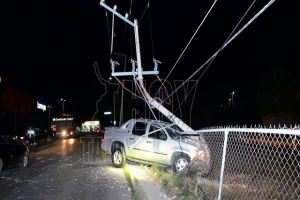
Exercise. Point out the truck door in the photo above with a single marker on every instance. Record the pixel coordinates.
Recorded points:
(140, 148)
(160, 145)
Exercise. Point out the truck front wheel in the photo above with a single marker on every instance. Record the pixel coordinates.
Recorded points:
(118, 156)
(180, 163)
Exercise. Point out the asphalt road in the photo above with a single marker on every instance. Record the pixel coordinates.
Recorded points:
(74, 168)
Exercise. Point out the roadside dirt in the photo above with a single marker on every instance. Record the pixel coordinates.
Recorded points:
(148, 184)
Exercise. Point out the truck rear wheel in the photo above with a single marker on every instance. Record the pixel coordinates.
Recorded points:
(24, 160)
(118, 156)
(48, 139)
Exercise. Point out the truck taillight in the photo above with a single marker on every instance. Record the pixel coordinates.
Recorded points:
(103, 135)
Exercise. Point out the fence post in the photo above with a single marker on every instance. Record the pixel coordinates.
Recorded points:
(223, 164)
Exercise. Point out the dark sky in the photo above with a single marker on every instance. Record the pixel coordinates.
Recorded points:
(49, 47)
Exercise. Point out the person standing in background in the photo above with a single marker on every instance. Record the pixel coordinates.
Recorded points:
(31, 138)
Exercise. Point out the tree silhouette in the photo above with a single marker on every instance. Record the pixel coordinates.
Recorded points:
(278, 97)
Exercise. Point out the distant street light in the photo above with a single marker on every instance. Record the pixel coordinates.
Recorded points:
(115, 92)
(229, 102)
(232, 93)
(49, 111)
(63, 106)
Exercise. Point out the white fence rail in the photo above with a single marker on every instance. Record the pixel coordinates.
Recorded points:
(252, 163)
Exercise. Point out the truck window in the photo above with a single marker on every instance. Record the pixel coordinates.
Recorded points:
(157, 133)
(139, 128)
(126, 125)
(153, 132)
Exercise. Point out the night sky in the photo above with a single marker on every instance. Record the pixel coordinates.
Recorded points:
(49, 47)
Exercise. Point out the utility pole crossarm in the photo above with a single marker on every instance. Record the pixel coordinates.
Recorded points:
(133, 73)
(116, 13)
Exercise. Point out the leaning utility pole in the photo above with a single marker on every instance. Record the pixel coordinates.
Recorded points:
(139, 73)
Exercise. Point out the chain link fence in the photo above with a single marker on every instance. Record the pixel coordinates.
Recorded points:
(252, 163)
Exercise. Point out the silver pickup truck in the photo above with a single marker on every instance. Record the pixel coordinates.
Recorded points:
(150, 142)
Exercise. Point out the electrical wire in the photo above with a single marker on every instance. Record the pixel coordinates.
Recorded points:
(187, 96)
(166, 91)
(130, 7)
(189, 42)
(108, 28)
(132, 101)
(151, 32)
(144, 12)
(215, 56)
(127, 88)
(228, 42)
(123, 37)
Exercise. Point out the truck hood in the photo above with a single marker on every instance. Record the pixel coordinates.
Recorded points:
(114, 129)
(189, 140)
(111, 128)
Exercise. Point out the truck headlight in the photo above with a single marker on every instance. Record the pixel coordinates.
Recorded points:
(199, 154)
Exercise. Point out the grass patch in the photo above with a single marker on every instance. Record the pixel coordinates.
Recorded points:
(142, 167)
(179, 185)
(165, 180)
(130, 181)
(185, 187)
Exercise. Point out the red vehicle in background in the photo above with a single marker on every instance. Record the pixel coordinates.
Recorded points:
(96, 131)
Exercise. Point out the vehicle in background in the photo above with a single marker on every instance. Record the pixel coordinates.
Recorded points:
(96, 131)
(68, 133)
(52, 132)
(43, 134)
(53, 127)
(13, 151)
